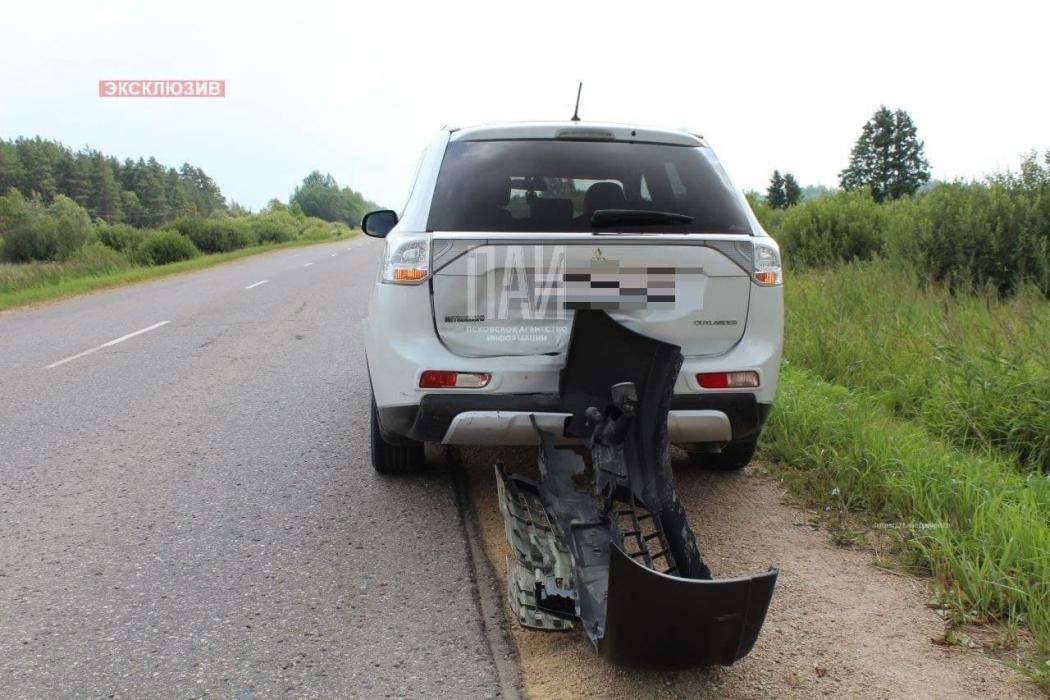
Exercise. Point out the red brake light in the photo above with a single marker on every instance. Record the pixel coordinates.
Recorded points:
(727, 380)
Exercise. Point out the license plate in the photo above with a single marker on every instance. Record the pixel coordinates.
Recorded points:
(610, 286)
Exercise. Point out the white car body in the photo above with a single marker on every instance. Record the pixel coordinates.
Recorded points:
(724, 318)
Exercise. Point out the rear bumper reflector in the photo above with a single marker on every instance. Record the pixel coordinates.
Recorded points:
(447, 379)
(728, 380)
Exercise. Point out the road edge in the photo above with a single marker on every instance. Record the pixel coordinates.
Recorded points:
(486, 586)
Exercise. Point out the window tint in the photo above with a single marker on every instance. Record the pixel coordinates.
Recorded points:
(551, 185)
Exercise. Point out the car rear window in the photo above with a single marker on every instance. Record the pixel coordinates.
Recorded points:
(556, 185)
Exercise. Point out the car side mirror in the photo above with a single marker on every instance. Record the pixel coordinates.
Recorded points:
(378, 223)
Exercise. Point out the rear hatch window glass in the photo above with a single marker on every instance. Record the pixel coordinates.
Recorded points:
(557, 185)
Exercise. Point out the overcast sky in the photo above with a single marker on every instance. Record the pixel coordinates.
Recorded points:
(358, 89)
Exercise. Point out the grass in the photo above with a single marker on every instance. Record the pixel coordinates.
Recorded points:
(972, 521)
(927, 414)
(29, 283)
(973, 368)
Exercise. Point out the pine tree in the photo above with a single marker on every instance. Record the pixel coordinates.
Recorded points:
(792, 191)
(776, 197)
(888, 157)
(134, 213)
(105, 198)
(11, 172)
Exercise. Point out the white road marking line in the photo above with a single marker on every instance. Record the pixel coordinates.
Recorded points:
(257, 284)
(333, 255)
(121, 339)
(307, 264)
(296, 255)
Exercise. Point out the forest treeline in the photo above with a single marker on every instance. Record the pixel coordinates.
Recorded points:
(145, 193)
(55, 201)
(142, 193)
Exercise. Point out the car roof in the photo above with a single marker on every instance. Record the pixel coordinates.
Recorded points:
(581, 131)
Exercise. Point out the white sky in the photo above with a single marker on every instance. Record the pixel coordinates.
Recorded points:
(358, 90)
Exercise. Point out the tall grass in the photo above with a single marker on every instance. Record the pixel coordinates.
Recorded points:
(974, 369)
(918, 390)
(972, 521)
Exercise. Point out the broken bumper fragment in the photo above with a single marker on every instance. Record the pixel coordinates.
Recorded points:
(602, 538)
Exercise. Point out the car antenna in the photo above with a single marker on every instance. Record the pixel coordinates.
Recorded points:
(576, 113)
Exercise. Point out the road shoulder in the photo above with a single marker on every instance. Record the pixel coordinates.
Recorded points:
(837, 625)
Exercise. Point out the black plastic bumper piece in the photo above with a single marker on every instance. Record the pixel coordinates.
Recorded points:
(643, 593)
(658, 620)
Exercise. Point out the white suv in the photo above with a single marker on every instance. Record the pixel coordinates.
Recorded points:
(509, 229)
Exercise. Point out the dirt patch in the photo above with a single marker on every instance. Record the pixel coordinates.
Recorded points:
(836, 626)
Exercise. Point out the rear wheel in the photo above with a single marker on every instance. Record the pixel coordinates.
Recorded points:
(399, 457)
(734, 456)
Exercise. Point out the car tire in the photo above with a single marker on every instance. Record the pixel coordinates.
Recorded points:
(734, 456)
(401, 457)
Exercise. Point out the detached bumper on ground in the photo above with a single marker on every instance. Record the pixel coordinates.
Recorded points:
(606, 542)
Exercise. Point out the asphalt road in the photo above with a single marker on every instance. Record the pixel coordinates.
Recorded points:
(191, 511)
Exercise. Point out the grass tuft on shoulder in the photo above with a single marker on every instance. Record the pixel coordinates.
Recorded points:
(970, 520)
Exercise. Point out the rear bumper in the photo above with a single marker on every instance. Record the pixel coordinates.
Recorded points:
(503, 419)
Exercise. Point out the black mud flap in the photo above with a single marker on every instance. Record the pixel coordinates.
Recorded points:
(638, 584)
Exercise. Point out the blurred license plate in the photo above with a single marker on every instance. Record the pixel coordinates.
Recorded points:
(606, 285)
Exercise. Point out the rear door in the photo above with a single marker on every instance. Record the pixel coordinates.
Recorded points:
(516, 297)
(526, 231)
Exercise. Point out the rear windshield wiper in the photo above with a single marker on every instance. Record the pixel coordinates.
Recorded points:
(636, 217)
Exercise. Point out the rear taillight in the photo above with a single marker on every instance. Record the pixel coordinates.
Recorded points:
(445, 379)
(728, 380)
(407, 259)
(767, 269)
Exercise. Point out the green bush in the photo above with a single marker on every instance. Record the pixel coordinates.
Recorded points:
(32, 231)
(163, 247)
(217, 234)
(275, 227)
(93, 260)
(994, 233)
(72, 226)
(120, 237)
(836, 228)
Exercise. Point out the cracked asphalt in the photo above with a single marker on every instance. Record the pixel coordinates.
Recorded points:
(191, 512)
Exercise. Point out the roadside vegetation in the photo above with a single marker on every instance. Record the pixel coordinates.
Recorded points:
(916, 390)
(75, 221)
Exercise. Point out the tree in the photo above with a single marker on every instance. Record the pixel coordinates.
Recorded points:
(38, 166)
(792, 191)
(320, 195)
(72, 225)
(775, 195)
(11, 172)
(134, 213)
(888, 158)
(104, 202)
(784, 191)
